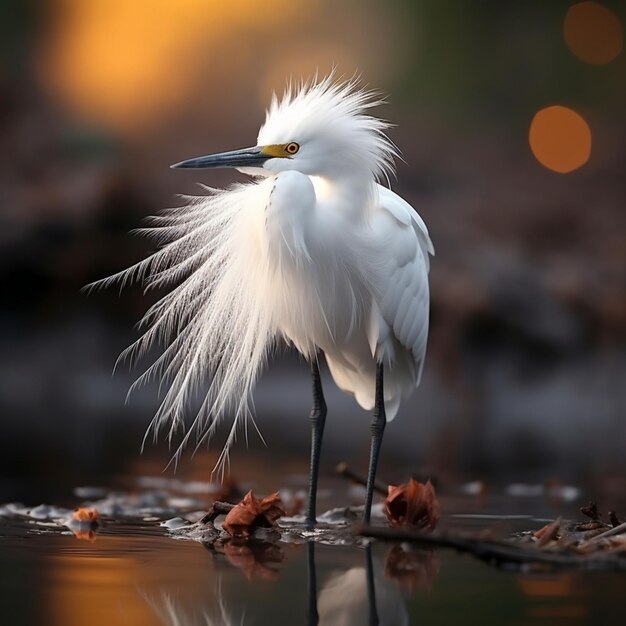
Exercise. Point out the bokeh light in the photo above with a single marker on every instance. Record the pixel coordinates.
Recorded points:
(593, 33)
(560, 139)
(125, 64)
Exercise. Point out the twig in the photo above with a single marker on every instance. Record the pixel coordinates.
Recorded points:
(343, 470)
(617, 530)
(490, 551)
(217, 508)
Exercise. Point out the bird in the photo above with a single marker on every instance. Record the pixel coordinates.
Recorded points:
(313, 250)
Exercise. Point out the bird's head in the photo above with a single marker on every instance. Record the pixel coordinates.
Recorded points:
(320, 129)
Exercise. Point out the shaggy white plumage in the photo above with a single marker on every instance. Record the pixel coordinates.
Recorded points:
(312, 251)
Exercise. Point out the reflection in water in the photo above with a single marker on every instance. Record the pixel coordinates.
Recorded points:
(172, 612)
(555, 597)
(360, 595)
(84, 524)
(312, 580)
(411, 568)
(85, 531)
(257, 559)
(73, 583)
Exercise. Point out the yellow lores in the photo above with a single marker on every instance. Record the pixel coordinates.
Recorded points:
(281, 150)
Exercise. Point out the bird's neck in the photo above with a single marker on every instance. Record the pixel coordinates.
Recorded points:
(350, 195)
(303, 211)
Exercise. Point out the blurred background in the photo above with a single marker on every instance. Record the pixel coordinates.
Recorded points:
(511, 121)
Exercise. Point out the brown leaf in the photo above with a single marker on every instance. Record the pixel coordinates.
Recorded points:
(85, 530)
(253, 513)
(84, 523)
(86, 515)
(413, 504)
(256, 560)
(413, 569)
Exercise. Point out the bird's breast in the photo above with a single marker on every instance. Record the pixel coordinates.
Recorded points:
(316, 257)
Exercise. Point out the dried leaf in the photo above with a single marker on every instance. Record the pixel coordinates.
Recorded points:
(84, 523)
(85, 531)
(253, 513)
(413, 569)
(412, 504)
(256, 559)
(548, 533)
(85, 515)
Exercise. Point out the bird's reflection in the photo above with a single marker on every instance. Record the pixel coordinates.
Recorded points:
(368, 594)
(360, 595)
(172, 611)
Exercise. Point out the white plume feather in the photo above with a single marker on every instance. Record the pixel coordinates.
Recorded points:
(213, 326)
(216, 325)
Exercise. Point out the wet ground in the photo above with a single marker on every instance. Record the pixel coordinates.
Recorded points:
(136, 570)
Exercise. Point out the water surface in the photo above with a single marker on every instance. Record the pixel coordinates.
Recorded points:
(133, 571)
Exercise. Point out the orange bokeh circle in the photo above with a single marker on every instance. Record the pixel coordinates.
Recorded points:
(593, 32)
(560, 139)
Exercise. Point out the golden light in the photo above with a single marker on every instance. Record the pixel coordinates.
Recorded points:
(549, 586)
(593, 33)
(113, 580)
(560, 139)
(127, 63)
(97, 590)
(554, 598)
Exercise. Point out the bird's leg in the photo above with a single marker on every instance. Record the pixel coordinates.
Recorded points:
(312, 578)
(377, 427)
(371, 586)
(318, 419)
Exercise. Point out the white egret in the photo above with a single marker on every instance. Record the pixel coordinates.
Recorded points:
(312, 251)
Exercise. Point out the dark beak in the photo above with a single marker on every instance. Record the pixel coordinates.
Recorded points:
(247, 157)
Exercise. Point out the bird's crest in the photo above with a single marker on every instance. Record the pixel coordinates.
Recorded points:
(338, 111)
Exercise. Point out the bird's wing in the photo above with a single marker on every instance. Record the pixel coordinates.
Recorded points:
(400, 309)
(406, 214)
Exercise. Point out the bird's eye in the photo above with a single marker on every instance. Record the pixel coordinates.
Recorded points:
(292, 148)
